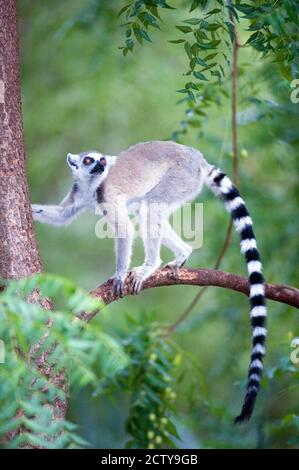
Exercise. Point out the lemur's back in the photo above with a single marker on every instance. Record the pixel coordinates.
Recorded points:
(141, 168)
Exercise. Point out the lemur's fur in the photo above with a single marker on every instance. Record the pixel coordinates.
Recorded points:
(169, 173)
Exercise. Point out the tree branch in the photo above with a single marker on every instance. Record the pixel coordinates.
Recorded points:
(196, 277)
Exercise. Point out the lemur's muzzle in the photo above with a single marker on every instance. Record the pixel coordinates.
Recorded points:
(98, 168)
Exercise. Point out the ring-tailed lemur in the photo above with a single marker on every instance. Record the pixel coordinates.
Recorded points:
(168, 173)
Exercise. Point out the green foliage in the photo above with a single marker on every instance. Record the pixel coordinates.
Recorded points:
(78, 93)
(208, 37)
(140, 15)
(208, 40)
(274, 32)
(149, 382)
(37, 354)
(289, 424)
(273, 25)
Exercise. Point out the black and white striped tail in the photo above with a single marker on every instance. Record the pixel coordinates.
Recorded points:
(222, 187)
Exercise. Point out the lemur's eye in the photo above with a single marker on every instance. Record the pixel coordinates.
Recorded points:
(88, 161)
(103, 161)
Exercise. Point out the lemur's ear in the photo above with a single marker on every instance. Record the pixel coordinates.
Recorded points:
(103, 161)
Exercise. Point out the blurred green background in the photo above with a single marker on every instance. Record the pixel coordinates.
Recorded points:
(80, 93)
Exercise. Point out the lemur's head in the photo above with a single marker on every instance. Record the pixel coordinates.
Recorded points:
(85, 164)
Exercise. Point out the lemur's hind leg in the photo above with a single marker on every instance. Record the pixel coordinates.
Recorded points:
(151, 220)
(180, 249)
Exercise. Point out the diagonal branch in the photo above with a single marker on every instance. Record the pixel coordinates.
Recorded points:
(196, 277)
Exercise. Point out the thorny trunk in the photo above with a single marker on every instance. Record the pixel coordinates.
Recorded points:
(19, 256)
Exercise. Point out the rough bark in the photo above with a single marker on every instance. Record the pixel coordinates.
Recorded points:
(19, 256)
(196, 277)
(18, 248)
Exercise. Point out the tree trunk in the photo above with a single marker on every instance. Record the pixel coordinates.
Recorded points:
(19, 255)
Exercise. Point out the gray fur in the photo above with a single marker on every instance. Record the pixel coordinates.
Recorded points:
(146, 173)
(82, 194)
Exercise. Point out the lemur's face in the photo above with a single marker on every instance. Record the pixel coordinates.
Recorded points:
(87, 163)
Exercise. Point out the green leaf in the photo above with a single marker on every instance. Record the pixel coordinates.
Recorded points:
(204, 24)
(191, 96)
(145, 35)
(216, 73)
(130, 44)
(188, 49)
(184, 29)
(213, 12)
(205, 46)
(202, 62)
(200, 76)
(164, 4)
(291, 11)
(172, 429)
(193, 21)
(214, 26)
(177, 41)
(215, 43)
(191, 85)
(196, 123)
(231, 32)
(122, 10)
(245, 8)
(211, 56)
(194, 5)
(232, 10)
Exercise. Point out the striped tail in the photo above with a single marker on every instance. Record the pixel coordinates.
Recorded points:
(223, 188)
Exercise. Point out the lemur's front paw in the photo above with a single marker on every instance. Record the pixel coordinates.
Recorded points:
(118, 286)
(36, 209)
